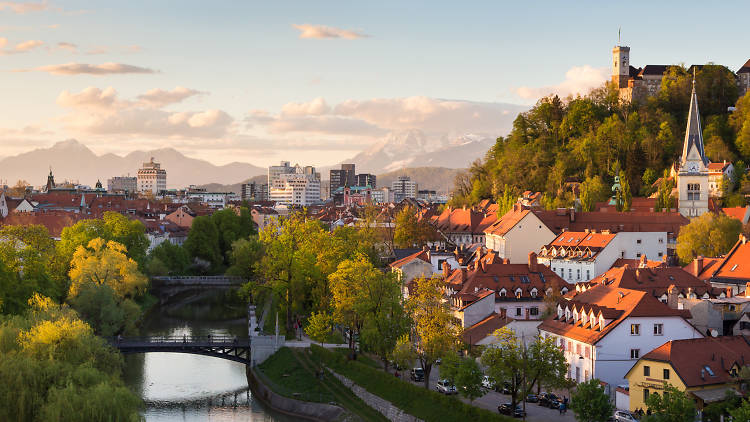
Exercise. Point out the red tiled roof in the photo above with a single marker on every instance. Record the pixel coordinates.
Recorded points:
(695, 359)
(55, 222)
(484, 328)
(463, 220)
(403, 261)
(621, 262)
(718, 167)
(655, 281)
(614, 304)
(709, 266)
(507, 221)
(736, 263)
(740, 213)
(565, 219)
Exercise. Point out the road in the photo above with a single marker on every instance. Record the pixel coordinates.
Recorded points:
(490, 401)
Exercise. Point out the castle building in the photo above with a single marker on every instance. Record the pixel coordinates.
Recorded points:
(692, 177)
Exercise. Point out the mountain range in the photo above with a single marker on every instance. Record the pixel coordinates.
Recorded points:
(72, 160)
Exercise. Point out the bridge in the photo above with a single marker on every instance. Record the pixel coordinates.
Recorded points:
(223, 347)
(167, 288)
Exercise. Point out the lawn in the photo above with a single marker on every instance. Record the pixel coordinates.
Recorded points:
(417, 401)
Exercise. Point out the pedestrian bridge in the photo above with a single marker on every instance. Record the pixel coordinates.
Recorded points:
(232, 348)
(198, 281)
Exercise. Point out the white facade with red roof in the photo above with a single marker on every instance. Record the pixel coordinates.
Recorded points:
(517, 233)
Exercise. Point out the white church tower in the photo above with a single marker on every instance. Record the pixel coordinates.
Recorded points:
(692, 179)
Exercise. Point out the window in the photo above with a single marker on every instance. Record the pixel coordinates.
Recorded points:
(661, 254)
(635, 354)
(658, 329)
(666, 374)
(524, 279)
(661, 240)
(645, 394)
(638, 241)
(518, 311)
(588, 274)
(588, 351)
(578, 349)
(638, 255)
(694, 192)
(534, 311)
(578, 273)
(646, 371)
(635, 329)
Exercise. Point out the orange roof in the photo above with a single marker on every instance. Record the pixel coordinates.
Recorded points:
(740, 213)
(565, 219)
(483, 328)
(463, 220)
(703, 361)
(403, 261)
(55, 222)
(709, 266)
(613, 304)
(621, 262)
(718, 167)
(655, 281)
(502, 226)
(736, 263)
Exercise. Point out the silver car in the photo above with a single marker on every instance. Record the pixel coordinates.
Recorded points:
(624, 416)
(445, 387)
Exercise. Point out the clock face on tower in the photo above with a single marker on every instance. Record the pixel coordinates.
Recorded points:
(693, 167)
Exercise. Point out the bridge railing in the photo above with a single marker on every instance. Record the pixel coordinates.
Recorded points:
(229, 278)
(207, 340)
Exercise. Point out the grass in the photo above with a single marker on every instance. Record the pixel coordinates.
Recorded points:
(361, 358)
(292, 373)
(417, 401)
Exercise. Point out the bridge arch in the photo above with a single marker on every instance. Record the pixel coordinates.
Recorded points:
(224, 347)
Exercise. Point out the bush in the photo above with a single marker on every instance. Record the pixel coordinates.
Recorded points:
(417, 401)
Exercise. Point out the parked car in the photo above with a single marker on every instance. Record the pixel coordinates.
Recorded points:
(624, 416)
(417, 374)
(532, 398)
(488, 382)
(438, 361)
(445, 387)
(549, 400)
(505, 389)
(507, 409)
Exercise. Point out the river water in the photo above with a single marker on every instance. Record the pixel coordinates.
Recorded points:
(185, 387)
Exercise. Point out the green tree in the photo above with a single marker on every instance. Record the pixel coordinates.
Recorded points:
(105, 311)
(244, 257)
(410, 230)
(230, 227)
(108, 264)
(709, 235)
(593, 190)
(174, 258)
(506, 201)
(112, 226)
(433, 330)
(672, 406)
(319, 327)
(203, 243)
(590, 403)
(523, 367)
(741, 413)
(465, 374)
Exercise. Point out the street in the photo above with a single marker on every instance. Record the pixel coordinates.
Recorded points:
(490, 401)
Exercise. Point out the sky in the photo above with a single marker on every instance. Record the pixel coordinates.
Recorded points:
(318, 82)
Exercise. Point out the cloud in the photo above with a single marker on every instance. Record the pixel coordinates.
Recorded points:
(23, 7)
(67, 46)
(28, 45)
(323, 32)
(161, 98)
(102, 112)
(578, 80)
(315, 107)
(3, 42)
(90, 69)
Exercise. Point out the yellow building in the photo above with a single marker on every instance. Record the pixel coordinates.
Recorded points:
(706, 368)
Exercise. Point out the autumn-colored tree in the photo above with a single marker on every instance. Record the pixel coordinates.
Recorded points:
(708, 235)
(434, 333)
(19, 189)
(412, 231)
(319, 327)
(106, 263)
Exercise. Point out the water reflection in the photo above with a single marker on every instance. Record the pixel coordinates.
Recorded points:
(185, 387)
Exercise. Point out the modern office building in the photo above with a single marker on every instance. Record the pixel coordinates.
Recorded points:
(152, 178)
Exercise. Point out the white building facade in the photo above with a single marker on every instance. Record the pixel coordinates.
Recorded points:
(152, 178)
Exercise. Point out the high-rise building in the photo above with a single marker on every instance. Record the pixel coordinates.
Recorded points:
(365, 179)
(342, 178)
(254, 191)
(403, 188)
(275, 171)
(127, 184)
(152, 178)
(300, 188)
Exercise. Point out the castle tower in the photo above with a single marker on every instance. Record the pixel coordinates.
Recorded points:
(692, 179)
(620, 66)
(50, 180)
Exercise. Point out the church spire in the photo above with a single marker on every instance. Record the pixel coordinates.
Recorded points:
(692, 149)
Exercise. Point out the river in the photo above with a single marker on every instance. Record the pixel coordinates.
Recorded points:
(185, 387)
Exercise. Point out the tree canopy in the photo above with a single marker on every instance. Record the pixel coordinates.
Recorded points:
(708, 235)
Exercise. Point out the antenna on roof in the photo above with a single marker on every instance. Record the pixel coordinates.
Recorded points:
(694, 76)
(618, 35)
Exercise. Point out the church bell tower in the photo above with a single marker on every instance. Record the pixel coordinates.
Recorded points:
(692, 179)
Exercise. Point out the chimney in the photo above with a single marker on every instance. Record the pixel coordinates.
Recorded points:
(506, 261)
(644, 262)
(572, 215)
(743, 238)
(532, 262)
(483, 265)
(729, 291)
(697, 265)
(446, 269)
(429, 255)
(690, 292)
(516, 207)
(747, 289)
(527, 313)
(672, 296)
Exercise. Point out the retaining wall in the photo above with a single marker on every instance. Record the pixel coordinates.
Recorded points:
(383, 406)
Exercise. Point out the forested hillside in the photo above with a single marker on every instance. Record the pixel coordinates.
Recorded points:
(593, 138)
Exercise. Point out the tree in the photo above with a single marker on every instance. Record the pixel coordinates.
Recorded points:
(231, 226)
(626, 195)
(106, 263)
(433, 331)
(593, 190)
(386, 322)
(672, 406)
(742, 413)
(19, 189)
(506, 201)
(590, 403)
(465, 374)
(244, 257)
(708, 235)
(173, 259)
(349, 288)
(203, 242)
(664, 200)
(108, 314)
(510, 360)
(410, 230)
(319, 327)
(112, 226)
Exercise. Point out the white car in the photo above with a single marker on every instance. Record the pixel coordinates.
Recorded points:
(445, 387)
(623, 416)
(488, 382)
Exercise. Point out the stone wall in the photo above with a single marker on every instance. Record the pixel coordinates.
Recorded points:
(383, 406)
(297, 408)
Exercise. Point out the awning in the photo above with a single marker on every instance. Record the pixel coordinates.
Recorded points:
(711, 395)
